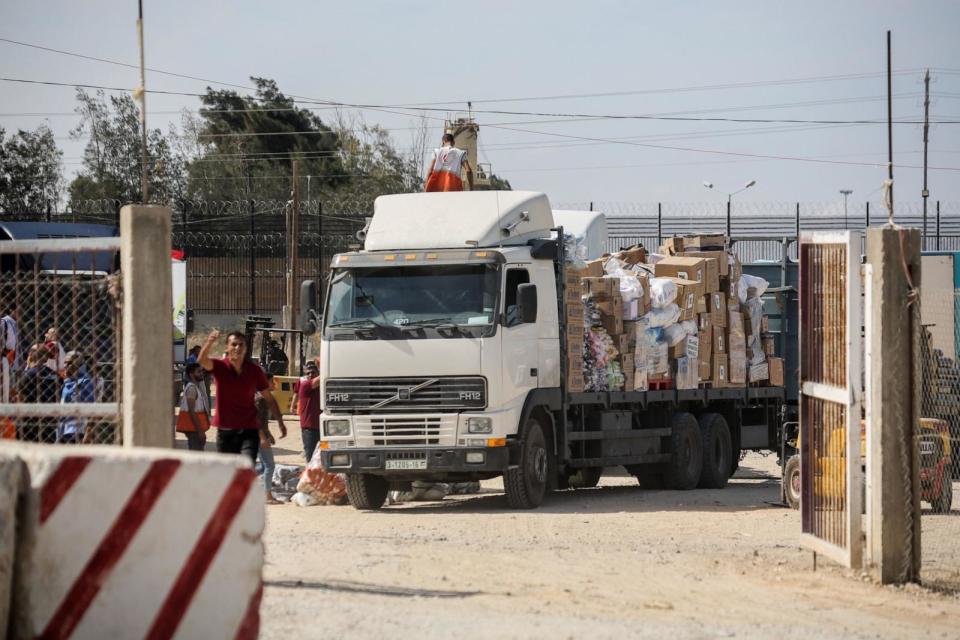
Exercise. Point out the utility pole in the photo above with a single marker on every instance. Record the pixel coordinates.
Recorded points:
(144, 170)
(889, 130)
(293, 247)
(926, 138)
(845, 193)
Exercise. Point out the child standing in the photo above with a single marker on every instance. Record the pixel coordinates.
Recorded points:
(266, 443)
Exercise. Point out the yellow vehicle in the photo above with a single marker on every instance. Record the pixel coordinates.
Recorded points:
(934, 451)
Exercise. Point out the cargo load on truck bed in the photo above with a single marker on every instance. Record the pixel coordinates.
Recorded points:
(685, 317)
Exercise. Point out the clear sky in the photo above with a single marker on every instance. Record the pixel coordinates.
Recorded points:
(494, 52)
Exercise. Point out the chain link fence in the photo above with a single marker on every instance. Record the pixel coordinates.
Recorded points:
(61, 325)
(937, 439)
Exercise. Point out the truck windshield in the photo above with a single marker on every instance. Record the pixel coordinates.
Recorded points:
(417, 301)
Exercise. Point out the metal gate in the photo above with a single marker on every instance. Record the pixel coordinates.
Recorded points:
(830, 377)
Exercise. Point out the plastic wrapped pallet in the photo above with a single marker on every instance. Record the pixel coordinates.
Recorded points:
(663, 292)
(663, 317)
(687, 374)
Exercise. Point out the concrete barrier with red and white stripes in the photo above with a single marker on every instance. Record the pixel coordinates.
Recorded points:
(137, 543)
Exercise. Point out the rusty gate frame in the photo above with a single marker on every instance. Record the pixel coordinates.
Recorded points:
(848, 550)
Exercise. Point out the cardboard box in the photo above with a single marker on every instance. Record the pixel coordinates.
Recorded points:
(706, 369)
(693, 346)
(764, 324)
(736, 268)
(728, 286)
(723, 266)
(645, 298)
(602, 288)
(634, 255)
(624, 343)
(574, 309)
(737, 372)
(719, 379)
(719, 341)
(627, 364)
(687, 293)
(573, 296)
(673, 246)
(735, 322)
(775, 371)
(678, 350)
(711, 279)
(702, 306)
(682, 267)
(594, 269)
(769, 345)
(612, 306)
(631, 309)
(707, 241)
(748, 325)
(572, 276)
(758, 372)
(704, 320)
(718, 309)
(705, 344)
(575, 384)
(575, 324)
(613, 324)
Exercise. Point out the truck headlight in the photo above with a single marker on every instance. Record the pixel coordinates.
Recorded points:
(479, 425)
(336, 428)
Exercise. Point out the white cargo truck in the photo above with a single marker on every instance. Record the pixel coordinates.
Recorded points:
(442, 359)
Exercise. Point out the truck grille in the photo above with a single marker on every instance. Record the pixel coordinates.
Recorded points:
(386, 395)
(386, 431)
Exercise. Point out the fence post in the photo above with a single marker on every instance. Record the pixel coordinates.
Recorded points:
(253, 260)
(868, 214)
(147, 326)
(894, 409)
(659, 224)
(938, 225)
(798, 230)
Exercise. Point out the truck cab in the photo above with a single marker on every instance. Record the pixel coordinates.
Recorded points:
(436, 339)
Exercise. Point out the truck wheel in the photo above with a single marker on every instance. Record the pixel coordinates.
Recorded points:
(366, 492)
(942, 503)
(791, 482)
(526, 484)
(585, 478)
(717, 451)
(686, 460)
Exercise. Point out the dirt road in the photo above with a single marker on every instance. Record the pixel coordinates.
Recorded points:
(609, 562)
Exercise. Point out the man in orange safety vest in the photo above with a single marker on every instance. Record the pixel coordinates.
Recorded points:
(446, 166)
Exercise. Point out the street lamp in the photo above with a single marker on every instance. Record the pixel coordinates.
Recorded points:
(709, 185)
(845, 193)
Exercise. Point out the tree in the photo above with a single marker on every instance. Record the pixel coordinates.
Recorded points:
(31, 173)
(245, 146)
(112, 166)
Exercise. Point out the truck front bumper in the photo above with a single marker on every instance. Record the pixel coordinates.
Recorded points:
(417, 462)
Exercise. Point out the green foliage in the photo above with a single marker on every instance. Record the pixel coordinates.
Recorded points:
(112, 166)
(499, 184)
(31, 178)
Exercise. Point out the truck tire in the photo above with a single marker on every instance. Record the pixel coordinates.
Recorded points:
(717, 451)
(366, 492)
(942, 502)
(791, 482)
(686, 459)
(526, 484)
(585, 478)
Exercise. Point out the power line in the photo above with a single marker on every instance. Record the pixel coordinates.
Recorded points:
(388, 109)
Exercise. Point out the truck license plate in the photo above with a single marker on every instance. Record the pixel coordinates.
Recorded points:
(406, 464)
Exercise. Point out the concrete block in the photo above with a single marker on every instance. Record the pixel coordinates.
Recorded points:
(12, 476)
(133, 542)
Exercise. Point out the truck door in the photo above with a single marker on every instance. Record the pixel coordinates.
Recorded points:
(520, 351)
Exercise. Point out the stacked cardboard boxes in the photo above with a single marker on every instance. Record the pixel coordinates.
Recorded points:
(699, 328)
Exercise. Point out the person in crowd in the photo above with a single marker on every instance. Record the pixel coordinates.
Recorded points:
(58, 356)
(193, 355)
(238, 379)
(78, 387)
(8, 349)
(194, 418)
(447, 166)
(266, 442)
(306, 403)
(38, 383)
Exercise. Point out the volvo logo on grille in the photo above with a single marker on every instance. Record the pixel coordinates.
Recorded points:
(338, 397)
(403, 393)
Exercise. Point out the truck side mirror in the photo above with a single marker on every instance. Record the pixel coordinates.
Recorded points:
(308, 314)
(527, 303)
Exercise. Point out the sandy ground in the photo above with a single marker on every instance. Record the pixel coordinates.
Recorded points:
(610, 562)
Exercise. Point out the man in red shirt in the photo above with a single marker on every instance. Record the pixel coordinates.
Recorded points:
(238, 380)
(306, 402)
